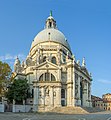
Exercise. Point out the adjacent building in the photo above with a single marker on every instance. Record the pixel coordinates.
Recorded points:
(103, 103)
(55, 77)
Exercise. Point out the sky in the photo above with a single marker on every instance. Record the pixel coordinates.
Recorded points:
(85, 23)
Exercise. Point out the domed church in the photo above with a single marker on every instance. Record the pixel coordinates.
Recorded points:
(56, 79)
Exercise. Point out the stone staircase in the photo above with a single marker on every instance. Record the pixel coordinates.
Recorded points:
(92, 110)
(69, 110)
(74, 110)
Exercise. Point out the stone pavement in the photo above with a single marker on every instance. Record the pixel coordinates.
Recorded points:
(35, 116)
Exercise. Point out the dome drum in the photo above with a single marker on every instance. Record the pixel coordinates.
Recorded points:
(54, 36)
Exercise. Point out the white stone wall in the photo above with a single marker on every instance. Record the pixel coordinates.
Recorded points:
(22, 108)
(2, 107)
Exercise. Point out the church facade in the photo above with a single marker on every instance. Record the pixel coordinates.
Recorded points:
(56, 79)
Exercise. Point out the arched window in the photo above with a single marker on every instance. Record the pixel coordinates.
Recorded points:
(64, 58)
(47, 77)
(53, 60)
(44, 58)
(41, 77)
(50, 24)
(53, 77)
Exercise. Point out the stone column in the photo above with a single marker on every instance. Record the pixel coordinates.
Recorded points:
(73, 92)
(85, 94)
(87, 100)
(70, 87)
(89, 92)
(58, 96)
(58, 55)
(38, 56)
(35, 102)
(35, 74)
(69, 94)
(43, 96)
(59, 74)
(79, 99)
(51, 97)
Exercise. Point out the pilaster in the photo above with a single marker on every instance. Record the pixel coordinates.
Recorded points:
(79, 99)
(85, 93)
(51, 96)
(73, 89)
(35, 102)
(89, 92)
(58, 96)
(43, 96)
(69, 94)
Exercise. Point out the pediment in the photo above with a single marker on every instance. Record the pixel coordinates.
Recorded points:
(47, 65)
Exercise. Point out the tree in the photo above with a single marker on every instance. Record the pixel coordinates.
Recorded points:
(18, 91)
(5, 74)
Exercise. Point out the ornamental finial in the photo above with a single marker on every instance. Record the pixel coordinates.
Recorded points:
(50, 12)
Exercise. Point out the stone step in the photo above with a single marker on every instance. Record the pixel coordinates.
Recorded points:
(75, 110)
(69, 110)
(92, 110)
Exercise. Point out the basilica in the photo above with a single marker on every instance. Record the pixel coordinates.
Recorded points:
(55, 77)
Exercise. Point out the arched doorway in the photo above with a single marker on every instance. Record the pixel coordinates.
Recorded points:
(63, 97)
(53, 60)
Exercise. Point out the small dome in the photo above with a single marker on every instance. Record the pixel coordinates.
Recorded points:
(55, 36)
(50, 17)
(17, 61)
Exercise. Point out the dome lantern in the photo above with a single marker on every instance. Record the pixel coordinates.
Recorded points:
(50, 22)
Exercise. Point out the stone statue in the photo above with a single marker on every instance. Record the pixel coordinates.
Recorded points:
(83, 63)
(38, 56)
(17, 66)
(58, 54)
(73, 57)
(29, 60)
(23, 64)
(13, 102)
(78, 62)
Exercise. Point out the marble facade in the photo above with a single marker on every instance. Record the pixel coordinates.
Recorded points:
(55, 77)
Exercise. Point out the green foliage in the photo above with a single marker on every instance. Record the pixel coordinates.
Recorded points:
(5, 74)
(5, 71)
(18, 91)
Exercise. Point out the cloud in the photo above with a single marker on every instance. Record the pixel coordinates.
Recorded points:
(104, 81)
(9, 57)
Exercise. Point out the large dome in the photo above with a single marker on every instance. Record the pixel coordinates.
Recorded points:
(51, 34)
